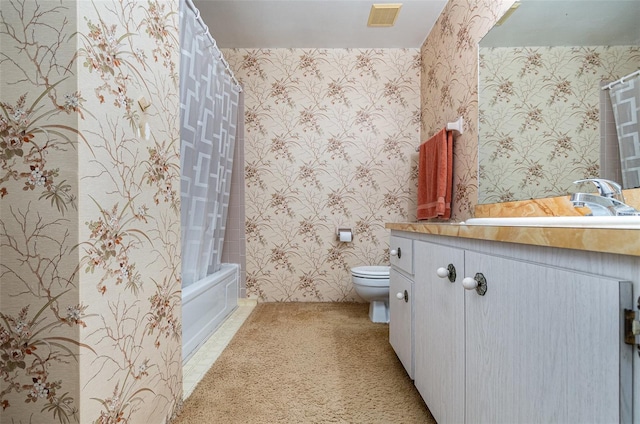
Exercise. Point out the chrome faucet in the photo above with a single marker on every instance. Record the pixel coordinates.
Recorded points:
(608, 202)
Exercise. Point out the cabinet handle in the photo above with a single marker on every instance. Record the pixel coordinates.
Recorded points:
(479, 283)
(449, 271)
(404, 296)
(395, 252)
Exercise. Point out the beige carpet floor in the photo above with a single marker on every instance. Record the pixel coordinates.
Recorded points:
(307, 363)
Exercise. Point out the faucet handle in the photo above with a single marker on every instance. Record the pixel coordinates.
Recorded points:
(606, 188)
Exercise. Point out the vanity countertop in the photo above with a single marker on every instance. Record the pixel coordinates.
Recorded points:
(620, 241)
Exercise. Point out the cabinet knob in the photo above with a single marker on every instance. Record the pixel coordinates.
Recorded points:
(479, 283)
(396, 252)
(469, 283)
(449, 271)
(404, 296)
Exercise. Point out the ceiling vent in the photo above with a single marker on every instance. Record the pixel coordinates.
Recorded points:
(384, 15)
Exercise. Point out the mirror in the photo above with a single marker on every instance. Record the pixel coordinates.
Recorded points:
(544, 120)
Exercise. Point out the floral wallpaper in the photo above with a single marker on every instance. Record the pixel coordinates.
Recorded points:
(539, 117)
(449, 88)
(89, 214)
(40, 310)
(330, 139)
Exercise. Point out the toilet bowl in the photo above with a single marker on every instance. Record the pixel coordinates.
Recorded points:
(372, 284)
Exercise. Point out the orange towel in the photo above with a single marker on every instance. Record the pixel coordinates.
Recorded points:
(435, 176)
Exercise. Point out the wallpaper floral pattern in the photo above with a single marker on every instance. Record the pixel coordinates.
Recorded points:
(539, 117)
(89, 215)
(331, 138)
(330, 142)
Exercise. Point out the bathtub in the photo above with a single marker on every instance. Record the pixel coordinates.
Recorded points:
(205, 305)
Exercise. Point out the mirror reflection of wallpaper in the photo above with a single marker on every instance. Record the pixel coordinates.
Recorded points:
(539, 117)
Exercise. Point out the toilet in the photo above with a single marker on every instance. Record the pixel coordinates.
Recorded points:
(372, 284)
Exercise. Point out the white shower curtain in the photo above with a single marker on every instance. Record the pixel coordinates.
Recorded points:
(209, 99)
(625, 98)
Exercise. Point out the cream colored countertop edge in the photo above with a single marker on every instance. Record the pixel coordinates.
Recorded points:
(619, 241)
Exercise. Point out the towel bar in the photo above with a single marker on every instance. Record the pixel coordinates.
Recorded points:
(453, 126)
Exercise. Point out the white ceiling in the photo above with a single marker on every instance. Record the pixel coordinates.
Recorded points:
(315, 23)
(343, 23)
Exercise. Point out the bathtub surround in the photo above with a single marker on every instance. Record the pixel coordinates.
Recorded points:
(303, 363)
(205, 306)
(89, 211)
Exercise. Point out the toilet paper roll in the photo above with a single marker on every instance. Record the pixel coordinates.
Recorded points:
(345, 236)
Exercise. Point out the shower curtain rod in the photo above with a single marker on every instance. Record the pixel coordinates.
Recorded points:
(621, 80)
(213, 42)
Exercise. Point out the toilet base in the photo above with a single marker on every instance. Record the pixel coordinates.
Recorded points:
(379, 311)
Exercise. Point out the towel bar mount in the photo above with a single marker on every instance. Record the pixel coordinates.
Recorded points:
(453, 126)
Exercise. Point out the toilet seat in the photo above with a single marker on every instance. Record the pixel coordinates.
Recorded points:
(371, 272)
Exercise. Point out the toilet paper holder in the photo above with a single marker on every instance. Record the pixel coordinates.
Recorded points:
(344, 235)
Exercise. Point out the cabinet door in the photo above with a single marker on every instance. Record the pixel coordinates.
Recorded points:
(401, 253)
(400, 318)
(439, 331)
(543, 345)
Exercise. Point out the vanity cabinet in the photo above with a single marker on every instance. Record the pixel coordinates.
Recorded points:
(439, 331)
(544, 343)
(401, 301)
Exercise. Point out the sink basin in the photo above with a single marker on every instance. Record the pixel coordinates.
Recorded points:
(629, 222)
